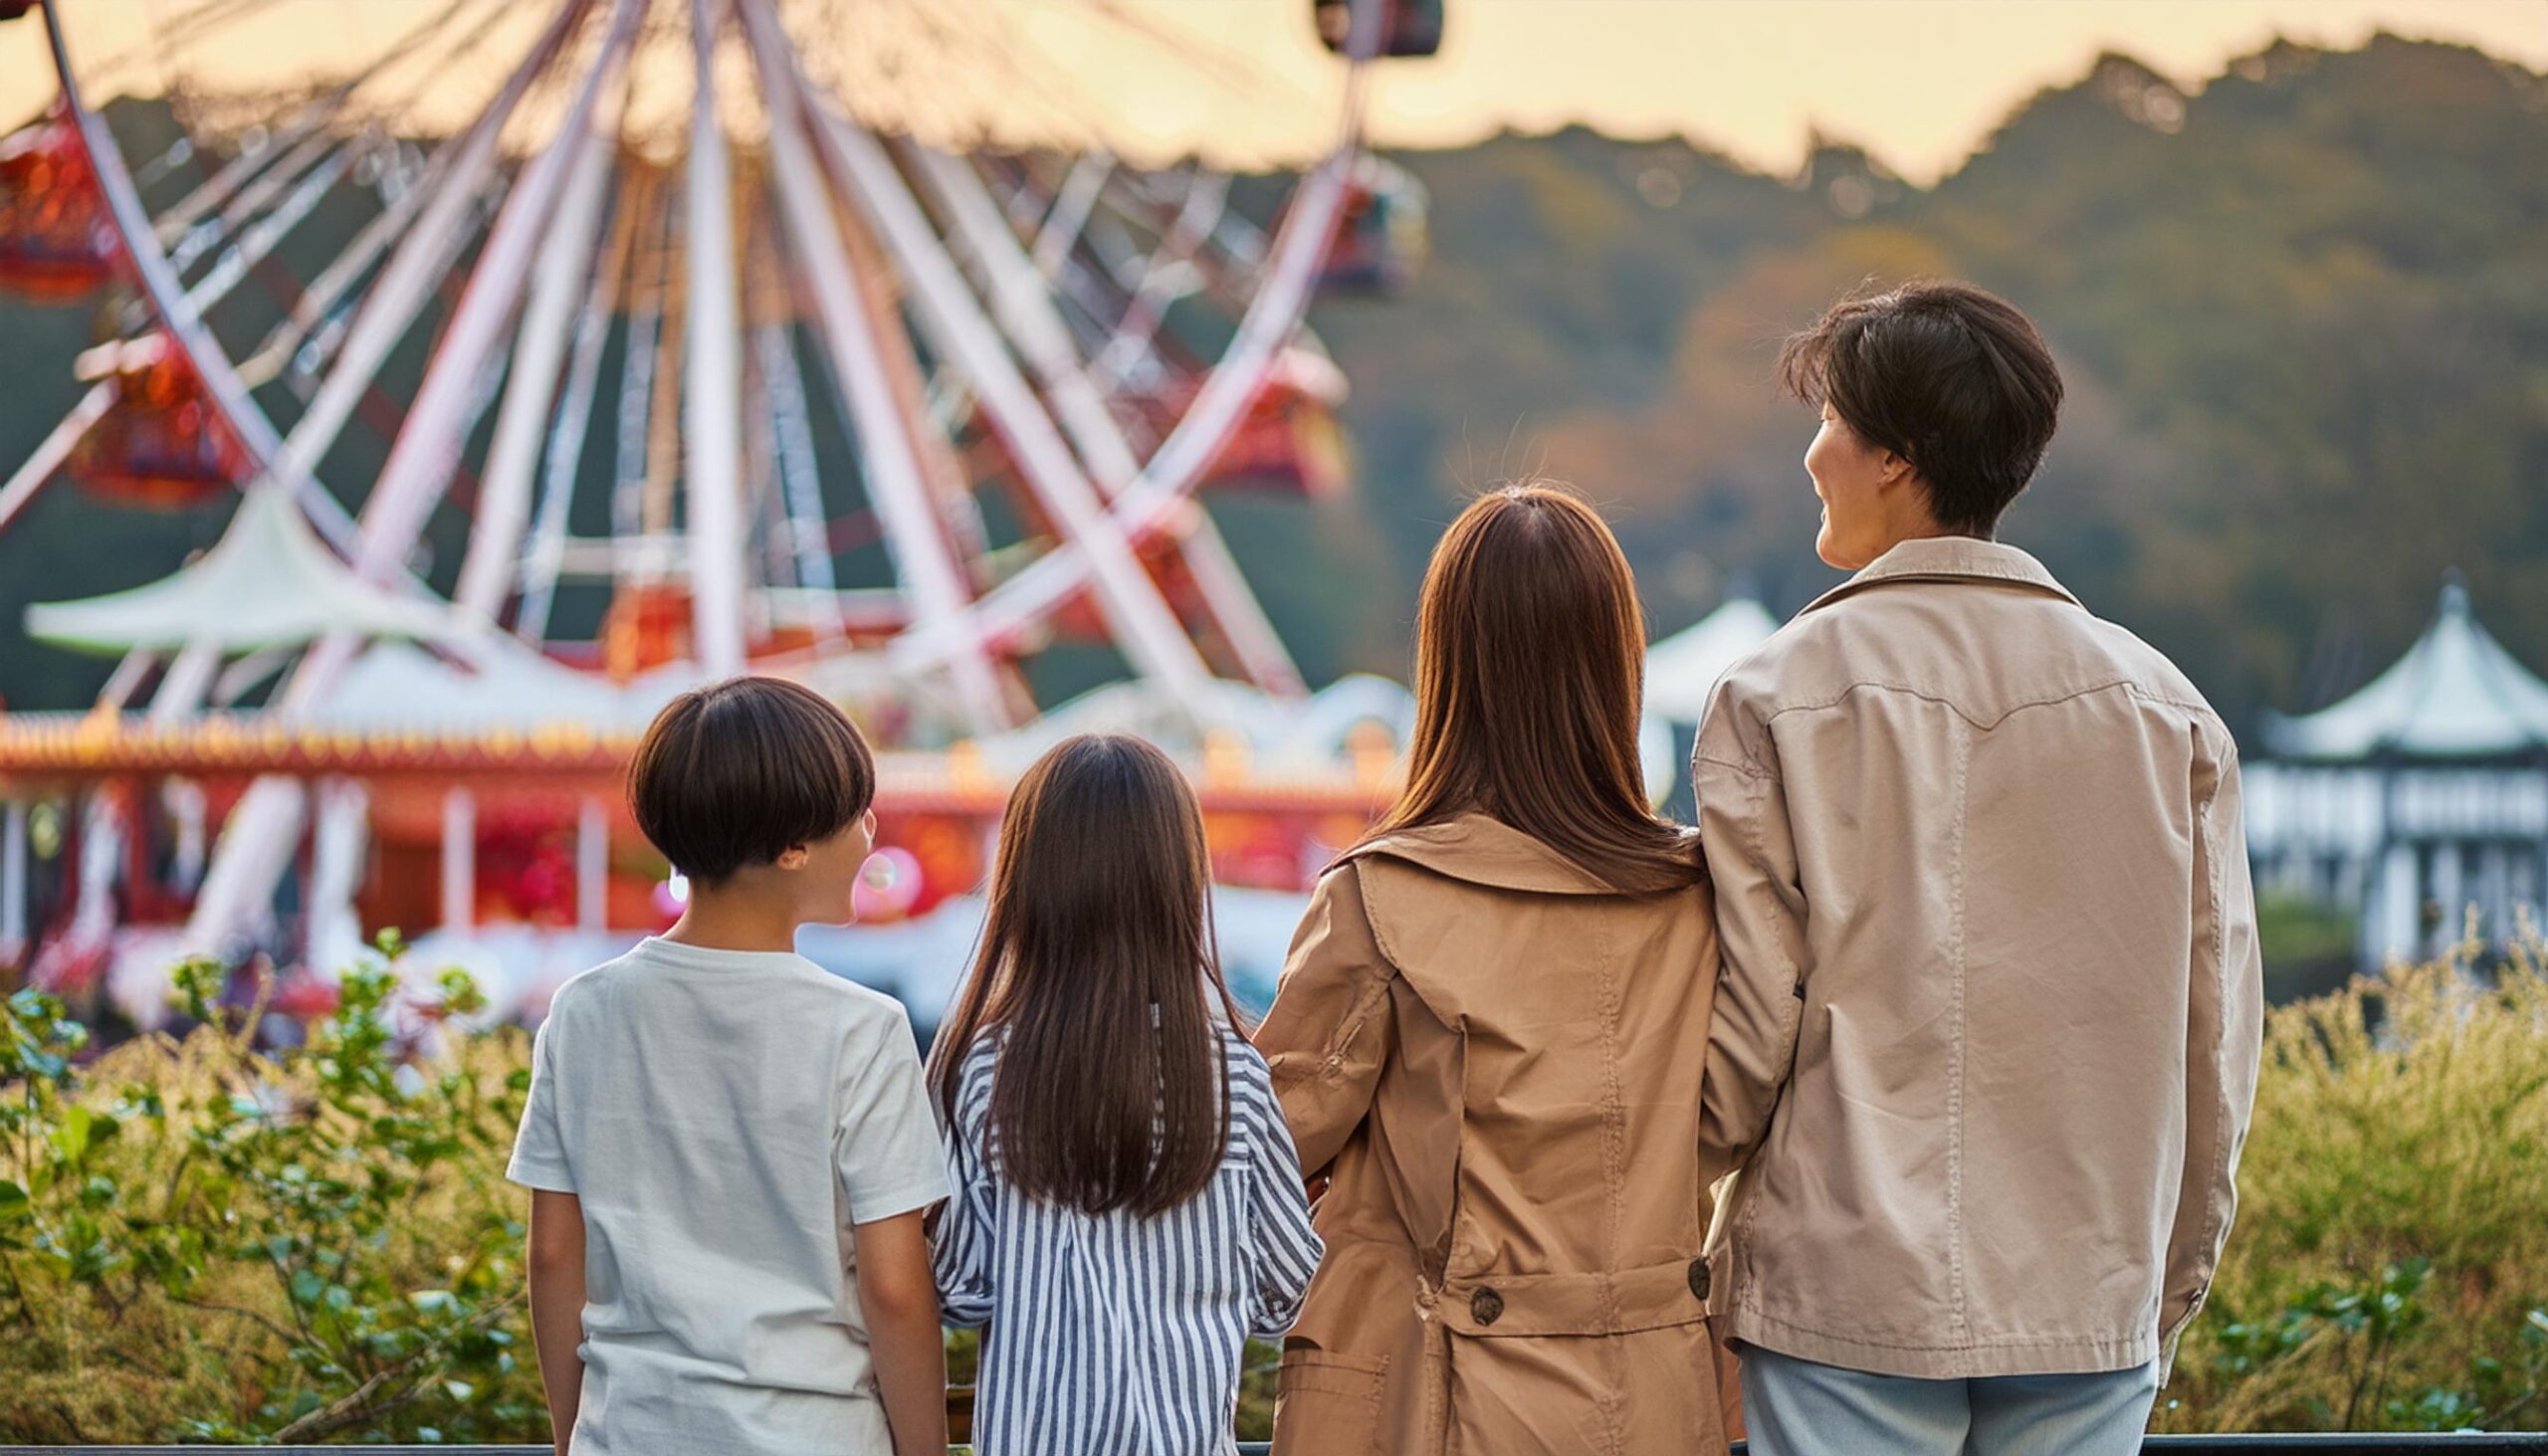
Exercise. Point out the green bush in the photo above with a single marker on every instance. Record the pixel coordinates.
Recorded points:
(2389, 1268)
(203, 1241)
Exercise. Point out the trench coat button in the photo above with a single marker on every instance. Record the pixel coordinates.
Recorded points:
(1699, 1278)
(1486, 1307)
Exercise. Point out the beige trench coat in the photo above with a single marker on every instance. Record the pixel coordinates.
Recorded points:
(1496, 1058)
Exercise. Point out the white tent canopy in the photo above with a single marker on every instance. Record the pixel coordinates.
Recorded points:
(267, 583)
(2456, 694)
(1682, 669)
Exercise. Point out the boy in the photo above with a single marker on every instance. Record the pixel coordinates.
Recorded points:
(1988, 1023)
(732, 1150)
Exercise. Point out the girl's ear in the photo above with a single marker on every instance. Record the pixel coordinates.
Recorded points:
(793, 857)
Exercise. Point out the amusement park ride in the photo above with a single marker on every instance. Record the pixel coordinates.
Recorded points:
(746, 381)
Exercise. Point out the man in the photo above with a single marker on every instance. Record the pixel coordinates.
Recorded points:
(1987, 1037)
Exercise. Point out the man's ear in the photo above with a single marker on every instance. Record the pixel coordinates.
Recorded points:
(793, 857)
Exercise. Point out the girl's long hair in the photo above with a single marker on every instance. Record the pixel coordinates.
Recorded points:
(1098, 966)
(1530, 673)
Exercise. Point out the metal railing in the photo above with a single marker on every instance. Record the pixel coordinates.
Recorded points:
(2312, 1444)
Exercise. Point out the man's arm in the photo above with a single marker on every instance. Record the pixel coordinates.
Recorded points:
(1761, 925)
(2224, 1030)
(899, 1299)
(556, 1258)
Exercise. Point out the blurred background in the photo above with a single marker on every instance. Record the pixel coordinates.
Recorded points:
(1066, 363)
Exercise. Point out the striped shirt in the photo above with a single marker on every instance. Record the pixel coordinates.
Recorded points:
(1109, 1332)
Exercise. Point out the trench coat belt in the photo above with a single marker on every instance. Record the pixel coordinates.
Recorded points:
(1601, 1301)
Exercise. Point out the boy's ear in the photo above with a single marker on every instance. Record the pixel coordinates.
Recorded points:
(793, 857)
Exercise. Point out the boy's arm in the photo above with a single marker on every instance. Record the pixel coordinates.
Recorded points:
(900, 1300)
(1761, 923)
(557, 1257)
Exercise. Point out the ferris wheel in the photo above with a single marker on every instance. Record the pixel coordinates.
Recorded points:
(723, 333)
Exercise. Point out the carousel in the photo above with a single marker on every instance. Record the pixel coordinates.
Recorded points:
(560, 356)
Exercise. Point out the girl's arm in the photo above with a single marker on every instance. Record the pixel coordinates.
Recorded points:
(557, 1257)
(1287, 1249)
(961, 1254)
(910, 1349)
(1331, 1022)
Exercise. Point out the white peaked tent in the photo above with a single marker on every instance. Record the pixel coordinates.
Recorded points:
(269, 582)
(2418, 797)
(1682, 669)
(2456, 694)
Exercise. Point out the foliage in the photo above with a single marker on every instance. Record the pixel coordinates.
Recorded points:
(2387, 1268)
(204, 1242)
(201, 1241)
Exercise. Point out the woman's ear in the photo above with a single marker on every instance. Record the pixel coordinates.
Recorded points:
(793, 857)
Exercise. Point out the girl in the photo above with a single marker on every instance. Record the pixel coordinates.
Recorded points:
(1489, 1036)
(1127, 1208)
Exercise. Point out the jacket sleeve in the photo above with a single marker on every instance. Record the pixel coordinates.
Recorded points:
(1329, 1028)
(2224, 1030)
(1761, 926)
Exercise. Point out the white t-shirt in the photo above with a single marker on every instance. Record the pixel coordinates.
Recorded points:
(725, 1117)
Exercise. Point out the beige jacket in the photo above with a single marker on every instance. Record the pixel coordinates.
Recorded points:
(1495, 1058)
(1988, 1026)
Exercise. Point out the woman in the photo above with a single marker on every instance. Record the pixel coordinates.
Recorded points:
(1489, 1035)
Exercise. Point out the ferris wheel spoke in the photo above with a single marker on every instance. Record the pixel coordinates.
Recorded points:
(1026, 312)
(55, 448)
(408, 277)
(235, 175)
(1145, 627)
(558, 284)
(546, 551)
(889, 459)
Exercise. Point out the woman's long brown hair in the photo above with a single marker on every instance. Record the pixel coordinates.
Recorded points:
(1530, 673)
(1099, 970)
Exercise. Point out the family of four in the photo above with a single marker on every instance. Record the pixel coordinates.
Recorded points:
(1896, 1108)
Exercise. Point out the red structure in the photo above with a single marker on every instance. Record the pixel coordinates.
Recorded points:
(56, 240)
(161, 444)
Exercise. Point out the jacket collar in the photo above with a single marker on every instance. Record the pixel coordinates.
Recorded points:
(1950, 558)
(1485, 851)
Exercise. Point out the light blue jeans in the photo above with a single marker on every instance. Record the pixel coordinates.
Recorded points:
(1794, 1407)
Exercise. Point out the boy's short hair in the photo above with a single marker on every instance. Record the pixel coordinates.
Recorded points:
(733, 774)
(1950, 377)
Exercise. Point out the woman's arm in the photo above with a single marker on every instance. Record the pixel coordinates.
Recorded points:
(1331, 1025)
(900, 1300)
(556, 1258)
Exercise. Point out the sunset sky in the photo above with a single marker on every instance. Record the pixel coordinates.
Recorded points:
(1918, 81)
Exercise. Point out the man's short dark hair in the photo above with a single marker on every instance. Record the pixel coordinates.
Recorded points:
(1950, 377)
(734, 774)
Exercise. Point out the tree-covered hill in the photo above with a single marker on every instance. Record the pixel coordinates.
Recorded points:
(2303, 313)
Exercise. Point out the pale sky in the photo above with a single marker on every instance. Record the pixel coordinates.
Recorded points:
(1918, 81)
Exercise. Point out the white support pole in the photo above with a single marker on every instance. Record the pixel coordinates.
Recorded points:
(593, 867)
(13, 883)
(1023, 303)
(459, 861)
(1135, 611)
(522, 423)
(923, 561)
(712, 401)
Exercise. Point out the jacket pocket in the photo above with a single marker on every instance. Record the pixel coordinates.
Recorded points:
(1328, 1403)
